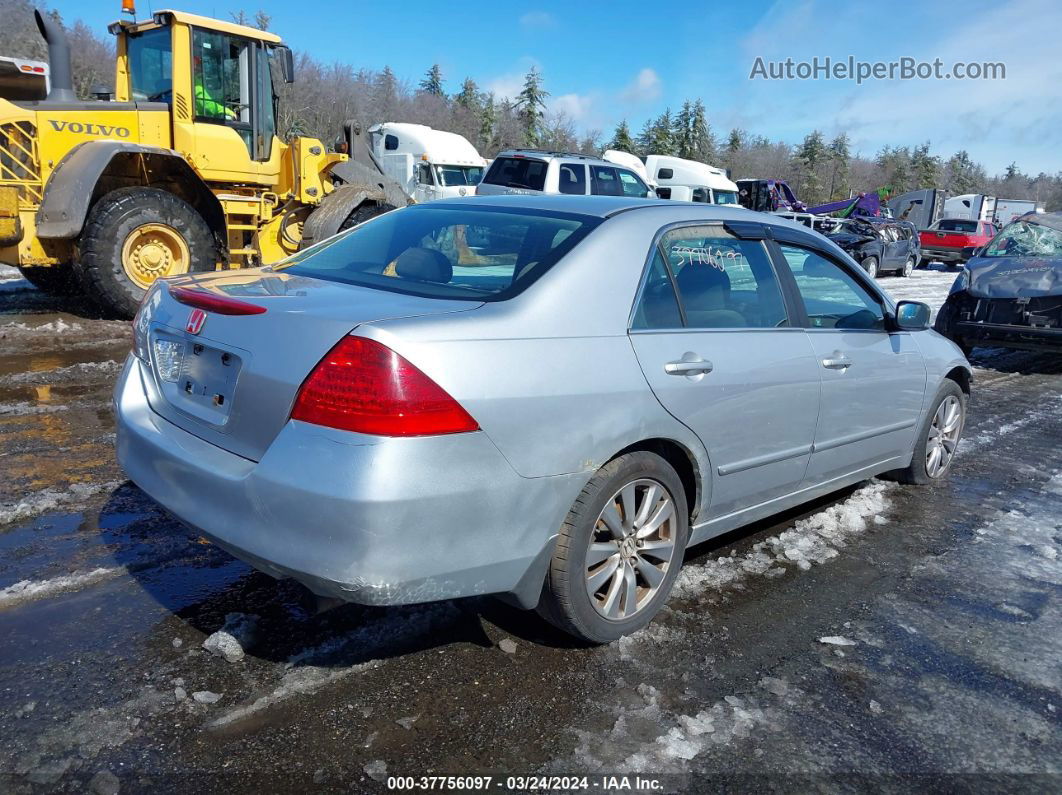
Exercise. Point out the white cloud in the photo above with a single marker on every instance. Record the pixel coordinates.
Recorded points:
(576, 107)
(537, 20)
(645, 87)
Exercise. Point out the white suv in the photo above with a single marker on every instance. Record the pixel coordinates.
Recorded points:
(534, 171)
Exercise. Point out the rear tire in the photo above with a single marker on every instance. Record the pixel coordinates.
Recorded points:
(53, 279)
(364, 213)
(116, 267)
(635, 574)
(908, 267)
(939, 431)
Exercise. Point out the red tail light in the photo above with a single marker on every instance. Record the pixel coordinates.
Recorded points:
(212, 302)
(364, 386)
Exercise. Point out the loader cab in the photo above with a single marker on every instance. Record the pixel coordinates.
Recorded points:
(217, 78)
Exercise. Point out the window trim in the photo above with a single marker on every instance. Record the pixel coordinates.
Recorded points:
(753, 231)
(857, 274)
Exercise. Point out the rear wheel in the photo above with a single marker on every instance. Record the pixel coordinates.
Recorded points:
(134, 236)
(938, 437)
(363, 214)
(870, 265)
(908, 267)
(619, 551)
(52, 279)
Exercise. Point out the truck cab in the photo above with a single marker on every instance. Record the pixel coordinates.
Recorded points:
(429, 164)
(690, 180)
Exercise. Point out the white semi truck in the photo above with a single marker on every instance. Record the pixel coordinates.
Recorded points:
(680, 179)
(971, 207)
(428, 164)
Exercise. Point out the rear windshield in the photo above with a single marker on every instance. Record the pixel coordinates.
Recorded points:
(470, 252)
(957, 225)
(518, 172)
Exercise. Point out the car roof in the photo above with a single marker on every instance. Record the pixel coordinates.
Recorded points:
(599, 206)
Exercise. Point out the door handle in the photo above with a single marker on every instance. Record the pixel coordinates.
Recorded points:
(694, 365)
(838, 362)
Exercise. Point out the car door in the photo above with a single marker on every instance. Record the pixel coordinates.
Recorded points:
(873, 378)
(712, 333)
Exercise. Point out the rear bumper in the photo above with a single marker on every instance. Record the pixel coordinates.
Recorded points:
(366, 519)
(941, 254)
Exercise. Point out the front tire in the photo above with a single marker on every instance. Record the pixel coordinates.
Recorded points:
(619, 551)
(56, 280)
(134, 236)
(870, 265)
(938, 437)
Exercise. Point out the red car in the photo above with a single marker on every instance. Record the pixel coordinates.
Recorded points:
(946, 239)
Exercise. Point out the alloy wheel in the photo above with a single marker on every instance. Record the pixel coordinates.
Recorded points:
(943, 436)
(631, 548)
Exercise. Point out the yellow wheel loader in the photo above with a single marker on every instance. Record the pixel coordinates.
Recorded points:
(182, 171)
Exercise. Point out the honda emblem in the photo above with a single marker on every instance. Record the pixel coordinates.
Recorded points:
(195, 321)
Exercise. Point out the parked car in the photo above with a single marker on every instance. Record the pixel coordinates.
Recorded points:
(947, 239)
(554, 417)
(1010, 292)
(537, 171)
(879, 245)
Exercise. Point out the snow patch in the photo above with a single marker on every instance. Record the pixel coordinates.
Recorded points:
(837, 640)
(23, 408)
(51, 499)
(69, 372)
(57, 326)
(815, 539)
(32, 590)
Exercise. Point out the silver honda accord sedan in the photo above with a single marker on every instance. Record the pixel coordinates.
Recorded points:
(544, 397)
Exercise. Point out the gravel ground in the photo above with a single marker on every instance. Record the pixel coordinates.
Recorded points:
(886, 636)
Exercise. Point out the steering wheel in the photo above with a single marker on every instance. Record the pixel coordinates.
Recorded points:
(162, 96)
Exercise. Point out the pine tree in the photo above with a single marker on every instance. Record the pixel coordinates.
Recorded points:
(621, 138)
(487, 120)
(433, 81)
(703, 144)
(840, 157)
(963, 173)
(385, 94)
(662, 137)
(734, 142)
(1012, 172)
(807, 160)
(682, 134)
(925, 169)
(644, 141)
(531, 106)
(469, 96)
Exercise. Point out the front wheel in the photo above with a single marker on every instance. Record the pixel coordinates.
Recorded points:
(619, 550)
(53, 279)
(938, 437)
(134, 236)
(870, 265)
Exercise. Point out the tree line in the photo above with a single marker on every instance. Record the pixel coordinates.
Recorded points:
(324, 95)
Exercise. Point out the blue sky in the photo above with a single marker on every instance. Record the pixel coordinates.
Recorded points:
(603, 62)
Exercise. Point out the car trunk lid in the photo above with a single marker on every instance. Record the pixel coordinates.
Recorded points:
(228, 372)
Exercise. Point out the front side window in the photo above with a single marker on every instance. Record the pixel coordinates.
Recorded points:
(722, 282)
(468, 253)
(832, 297)
(632, 186)
(604, 181)
(424, 174)
(150, 65)
(572, 178)
(221, 77)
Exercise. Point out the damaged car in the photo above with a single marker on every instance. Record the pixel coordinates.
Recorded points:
(879, 246)
(1010, 292)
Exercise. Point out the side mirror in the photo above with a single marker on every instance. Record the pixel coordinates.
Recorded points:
(287, 64)
(969, 252)
(912, 316)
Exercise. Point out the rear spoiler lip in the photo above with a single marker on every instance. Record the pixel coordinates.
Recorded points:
(212, 302)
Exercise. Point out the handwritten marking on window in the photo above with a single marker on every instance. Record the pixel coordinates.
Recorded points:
(704, 255)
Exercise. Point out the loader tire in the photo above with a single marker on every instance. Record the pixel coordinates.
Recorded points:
(56, 280)
(363, 214)
(134, 236)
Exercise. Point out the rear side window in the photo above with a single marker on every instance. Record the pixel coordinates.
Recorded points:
(604, 181)
(517, 172)
(480, 254)
(722, 282)
(572, 178)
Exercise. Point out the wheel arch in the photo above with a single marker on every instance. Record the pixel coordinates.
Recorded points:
(961, 376)
(682, 460)
(95, 168)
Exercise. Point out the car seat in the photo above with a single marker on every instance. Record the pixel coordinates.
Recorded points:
(706, 296)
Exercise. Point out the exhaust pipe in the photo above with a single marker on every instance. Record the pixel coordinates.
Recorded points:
(62, 76)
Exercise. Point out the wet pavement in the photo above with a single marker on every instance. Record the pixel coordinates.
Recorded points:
(887, 635)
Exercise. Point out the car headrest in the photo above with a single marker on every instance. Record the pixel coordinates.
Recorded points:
(698, 278)
(424, 265)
